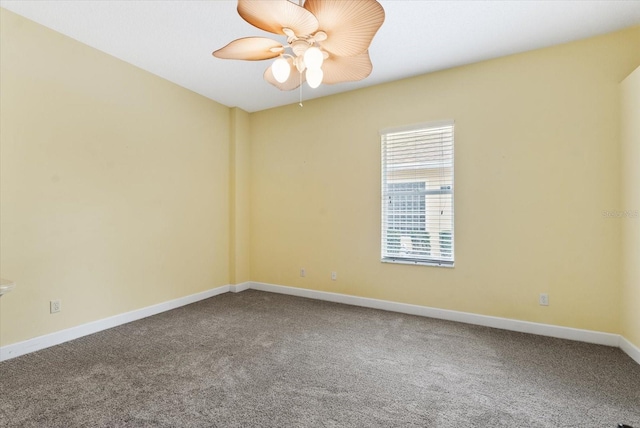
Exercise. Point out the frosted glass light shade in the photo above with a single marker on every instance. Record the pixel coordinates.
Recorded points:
(313, 58)
(281, 70)
(314, 77)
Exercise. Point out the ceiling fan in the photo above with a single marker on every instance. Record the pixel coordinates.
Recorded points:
(328, 40)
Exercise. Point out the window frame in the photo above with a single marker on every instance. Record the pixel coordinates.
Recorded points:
(425, 260)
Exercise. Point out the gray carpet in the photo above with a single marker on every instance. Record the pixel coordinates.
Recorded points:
(257, 359)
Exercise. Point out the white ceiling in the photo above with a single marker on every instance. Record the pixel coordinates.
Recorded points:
(174, 39)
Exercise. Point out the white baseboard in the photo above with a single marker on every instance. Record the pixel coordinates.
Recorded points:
(588, 336)
(237, 288)
(600, 338)
(41, 342)
(630, 349)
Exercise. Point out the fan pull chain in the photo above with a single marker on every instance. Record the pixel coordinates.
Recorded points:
(300, 104)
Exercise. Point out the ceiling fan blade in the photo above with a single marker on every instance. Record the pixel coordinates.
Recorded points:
(274, 15)
(295, 78)
(350, 25)
(338, 69)
(250, 49)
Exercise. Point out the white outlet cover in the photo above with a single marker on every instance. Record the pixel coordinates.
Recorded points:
(543, 299)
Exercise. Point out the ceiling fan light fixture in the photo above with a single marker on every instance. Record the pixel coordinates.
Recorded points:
(329, 40)
(313, 58)
(314, 77)
(281, 69)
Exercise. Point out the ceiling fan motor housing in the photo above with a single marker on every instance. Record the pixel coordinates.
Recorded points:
(300, 46)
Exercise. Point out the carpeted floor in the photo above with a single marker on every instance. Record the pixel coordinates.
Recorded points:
(256, 359)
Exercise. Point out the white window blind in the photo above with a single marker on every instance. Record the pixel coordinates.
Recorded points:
(417, 194)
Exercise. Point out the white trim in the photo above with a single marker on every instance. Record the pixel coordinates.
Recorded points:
(410, 262)
(418, 126)
(630, 349)
(52, 339)
(588, 336)
(237, 288)
(21, 348)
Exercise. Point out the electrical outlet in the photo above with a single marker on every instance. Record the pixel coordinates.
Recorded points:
(55, 306)
(303, 272)
(334, 276)
(543, 299)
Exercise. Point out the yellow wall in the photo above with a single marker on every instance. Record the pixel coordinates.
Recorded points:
(629, 207)
(114, 184)
(240, 197)
(537, 161)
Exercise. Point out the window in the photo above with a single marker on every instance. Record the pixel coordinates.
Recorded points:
(417, 194)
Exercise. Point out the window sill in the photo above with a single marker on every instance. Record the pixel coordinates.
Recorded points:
(418, 262)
